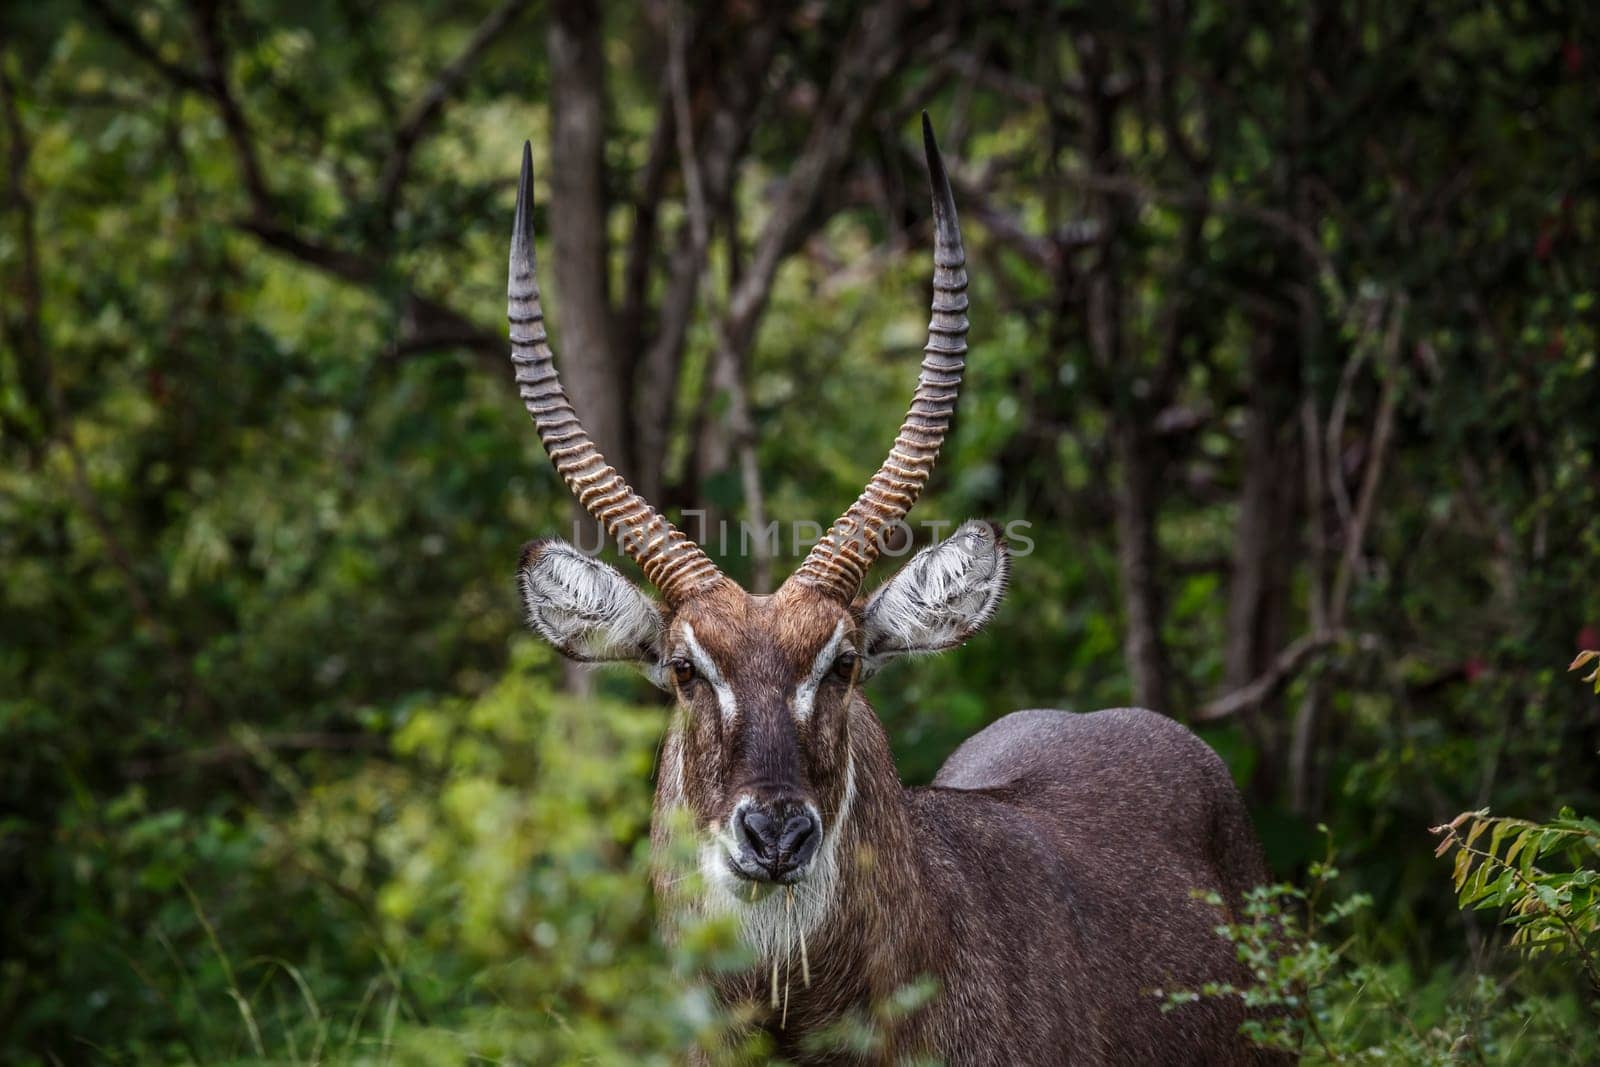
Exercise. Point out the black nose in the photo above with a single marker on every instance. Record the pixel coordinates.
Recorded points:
(781, 836)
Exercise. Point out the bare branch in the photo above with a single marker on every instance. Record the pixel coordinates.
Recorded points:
(1284, 667)
(427, 323)
(1383, 429)
(976, 194)
(1284, 223)
(233, 751)
(217, 86)
(728, 371)
(425, 112)
(683, 125)
(875, 49)
(123, 29)
(716, 151)
(1317, 534)
(642, 242)
(1048, 250)
(1001, 82)
(1333, 438)
(35, 370)
(1327, 612)
(341, 263)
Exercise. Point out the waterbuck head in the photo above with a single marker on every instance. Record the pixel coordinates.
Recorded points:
(760, 754)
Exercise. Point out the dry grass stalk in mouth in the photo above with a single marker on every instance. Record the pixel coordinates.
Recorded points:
(805, 961)
(774, 981)
(788, 969)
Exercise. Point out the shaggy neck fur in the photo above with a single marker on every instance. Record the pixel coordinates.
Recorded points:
(1044, 882)
(857, 914)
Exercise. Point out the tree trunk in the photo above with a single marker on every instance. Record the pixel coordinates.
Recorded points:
(712, 151)
(1134, 502)
(1263, 543)
(1137, 557)
(578, 228)
(578, 225)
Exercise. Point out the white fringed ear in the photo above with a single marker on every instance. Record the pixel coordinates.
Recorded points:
(938, 600)
(586, 608)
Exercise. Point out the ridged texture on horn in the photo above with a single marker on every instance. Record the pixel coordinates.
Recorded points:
(673, 563)
(840, 560)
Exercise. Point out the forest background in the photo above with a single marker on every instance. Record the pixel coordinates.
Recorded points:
(1283, 343)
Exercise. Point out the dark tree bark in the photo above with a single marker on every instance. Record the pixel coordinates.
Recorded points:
(22, 320)
(581, 249)
(710, 151)
(1135, 503)
(877, 46)
(1264, 543)
(577, 215)
(1137, 559)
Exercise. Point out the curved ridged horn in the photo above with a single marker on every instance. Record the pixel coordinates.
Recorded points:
(839, 562)
(672, 563)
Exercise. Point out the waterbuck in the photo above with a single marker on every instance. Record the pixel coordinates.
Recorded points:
(1044, 882)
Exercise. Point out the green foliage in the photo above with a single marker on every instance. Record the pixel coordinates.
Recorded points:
(1545, 877)
(864, 1032)
(1325, 989)
(487, 889)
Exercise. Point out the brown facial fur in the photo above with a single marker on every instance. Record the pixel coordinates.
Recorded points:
(765, 648)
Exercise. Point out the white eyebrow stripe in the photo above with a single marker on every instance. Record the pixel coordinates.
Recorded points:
(708, 670)
(805, 694)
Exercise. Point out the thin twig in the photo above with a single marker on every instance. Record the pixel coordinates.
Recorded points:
(38, 374)
(215, 69)
(1316, 530)
(1284, 223)
(123, 29)
(876, 46)
(1333, 437)
(428, 324)
(424, 113)
(1284, 667)
(1383, 430)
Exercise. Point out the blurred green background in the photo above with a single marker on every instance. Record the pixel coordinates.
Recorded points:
(1284, 342)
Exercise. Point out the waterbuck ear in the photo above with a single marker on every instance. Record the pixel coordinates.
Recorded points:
(938, 600)
(586, 608)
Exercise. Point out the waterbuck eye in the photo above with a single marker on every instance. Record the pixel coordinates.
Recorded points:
(845, 665)
(682, 671)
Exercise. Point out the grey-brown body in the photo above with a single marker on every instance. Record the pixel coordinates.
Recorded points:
(1044, 882)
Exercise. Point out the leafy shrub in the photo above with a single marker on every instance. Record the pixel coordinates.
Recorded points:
(1552, 909)
(1544, 876)
(1327, 990)
(479, 890)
